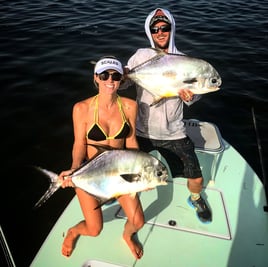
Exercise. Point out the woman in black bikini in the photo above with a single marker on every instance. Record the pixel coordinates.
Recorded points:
(104, 120)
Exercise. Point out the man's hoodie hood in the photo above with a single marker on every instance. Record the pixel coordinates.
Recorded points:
(171, 48)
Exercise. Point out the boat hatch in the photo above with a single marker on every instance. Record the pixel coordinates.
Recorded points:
(207, 139)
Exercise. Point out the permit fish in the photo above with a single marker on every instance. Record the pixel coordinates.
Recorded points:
(111, 174)
(165, 74)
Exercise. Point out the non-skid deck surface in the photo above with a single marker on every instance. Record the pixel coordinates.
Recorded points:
(167, 207)
(109, 249)
(172, 235)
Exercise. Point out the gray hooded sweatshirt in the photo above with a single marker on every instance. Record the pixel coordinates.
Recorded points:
(162, 121)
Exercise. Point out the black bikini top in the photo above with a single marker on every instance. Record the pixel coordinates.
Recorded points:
(96, 132)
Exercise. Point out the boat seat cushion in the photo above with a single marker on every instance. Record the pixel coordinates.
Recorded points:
(205, 135)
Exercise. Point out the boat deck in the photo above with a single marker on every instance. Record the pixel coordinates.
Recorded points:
(172, 235)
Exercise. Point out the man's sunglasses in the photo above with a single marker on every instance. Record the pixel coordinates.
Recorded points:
(104, 76)
(163, 28)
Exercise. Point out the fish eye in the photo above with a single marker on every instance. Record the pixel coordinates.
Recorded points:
(214, 80)
(159, 173)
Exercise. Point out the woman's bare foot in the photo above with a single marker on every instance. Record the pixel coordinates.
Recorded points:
(134, 246)
(68, 244)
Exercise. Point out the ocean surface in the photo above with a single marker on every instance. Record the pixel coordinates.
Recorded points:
(46, 49)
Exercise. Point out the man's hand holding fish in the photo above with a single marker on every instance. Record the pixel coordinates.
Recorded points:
(186, 95)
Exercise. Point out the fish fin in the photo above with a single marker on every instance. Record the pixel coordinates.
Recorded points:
(156, 101)
(193, 80)
(103, 201)
(130, 177)
(163, 53)
(53, 187)
(159, 54)
(159, 51)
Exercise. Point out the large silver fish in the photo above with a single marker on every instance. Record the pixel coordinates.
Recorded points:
(112, 174)
(165, 74)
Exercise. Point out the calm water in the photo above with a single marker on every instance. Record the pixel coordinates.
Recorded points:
(45, 52)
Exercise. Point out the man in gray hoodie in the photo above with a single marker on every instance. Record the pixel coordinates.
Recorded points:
(161, 126)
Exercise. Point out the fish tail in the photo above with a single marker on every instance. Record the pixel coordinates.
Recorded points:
(53, 187)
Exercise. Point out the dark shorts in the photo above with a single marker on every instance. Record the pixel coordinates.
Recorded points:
(179, 154)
